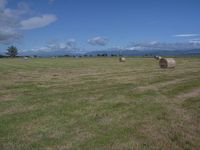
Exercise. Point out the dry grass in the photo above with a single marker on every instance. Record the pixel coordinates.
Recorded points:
(99, 103)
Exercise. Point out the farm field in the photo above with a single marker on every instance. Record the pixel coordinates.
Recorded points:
(99, 103)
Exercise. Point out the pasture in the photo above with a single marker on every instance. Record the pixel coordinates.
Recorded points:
(99, 103)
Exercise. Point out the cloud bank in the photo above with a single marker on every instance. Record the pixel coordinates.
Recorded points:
(195, 41)
(101, 41)
(37, 22)
(186, 35)
(55, 45)
(8, 35)
(14, 20)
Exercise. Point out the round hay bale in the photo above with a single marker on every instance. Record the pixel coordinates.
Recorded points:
(122, 59)
(167, 63)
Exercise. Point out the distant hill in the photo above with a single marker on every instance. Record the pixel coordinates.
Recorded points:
(148, 52)
(47, 53)
(114, 52)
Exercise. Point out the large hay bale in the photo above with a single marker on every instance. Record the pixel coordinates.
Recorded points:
(122, 59)
(167, 63)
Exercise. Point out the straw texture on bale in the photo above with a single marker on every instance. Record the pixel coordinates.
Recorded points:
(122, 59)
(167, 63)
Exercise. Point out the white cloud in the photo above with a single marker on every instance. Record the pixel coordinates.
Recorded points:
(55, 45)
(8, 35)
(71, 44)
(9, 22)
(153, 42)
(38, 22)
(186, 35)
(98, 41)
(43, 48)
(12, 21)
(195, 41)
(134, 48)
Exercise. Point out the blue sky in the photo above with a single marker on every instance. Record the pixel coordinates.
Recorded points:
(84, 25)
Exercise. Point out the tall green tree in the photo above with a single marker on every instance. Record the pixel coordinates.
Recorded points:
(12, 51)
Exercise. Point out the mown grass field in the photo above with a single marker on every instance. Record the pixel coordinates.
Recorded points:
(99, 103)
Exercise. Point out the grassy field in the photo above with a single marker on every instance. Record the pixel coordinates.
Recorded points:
(99, 103)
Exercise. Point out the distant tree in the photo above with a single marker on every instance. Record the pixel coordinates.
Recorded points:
(12, 51)
(104, 55)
